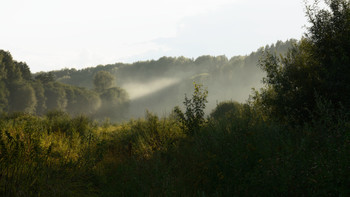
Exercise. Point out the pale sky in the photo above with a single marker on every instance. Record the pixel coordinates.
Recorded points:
(55, 34)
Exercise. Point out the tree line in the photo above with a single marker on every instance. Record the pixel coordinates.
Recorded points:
(22, 92)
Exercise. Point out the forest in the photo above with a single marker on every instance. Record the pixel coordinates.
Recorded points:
(275, 122)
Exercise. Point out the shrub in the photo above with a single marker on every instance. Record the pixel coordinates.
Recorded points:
(193, 118)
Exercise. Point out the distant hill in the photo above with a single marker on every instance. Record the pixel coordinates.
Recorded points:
(159, 85)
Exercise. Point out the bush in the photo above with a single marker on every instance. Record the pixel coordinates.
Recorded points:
(193, 118)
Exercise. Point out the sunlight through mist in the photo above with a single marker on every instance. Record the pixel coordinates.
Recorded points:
(137, 90)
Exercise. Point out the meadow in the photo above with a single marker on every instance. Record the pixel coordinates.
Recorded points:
(235, 152)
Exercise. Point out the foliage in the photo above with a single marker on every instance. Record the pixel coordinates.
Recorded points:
(114, 104)
(16, 101)
(103, 80)
(222, 69)
(20, 92)
(193, 118)
(36, 162)
(56, 96)
(82, 101)
(226, 78)
(40, 97)
(318, 65)
(25, 71)
(291, 84)
(236, 153)
(329, 35)
(224, 108)
(45, 77)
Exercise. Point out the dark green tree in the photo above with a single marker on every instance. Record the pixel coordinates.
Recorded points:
(55, 96)
(103, 80)
(317, 66)
(45, 77)
(9, 70)
(82, 101)
(22, 98)
(225, 110)
(25, 71)
(329, 35)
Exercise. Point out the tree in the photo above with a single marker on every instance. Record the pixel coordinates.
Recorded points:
(25, 71)
(193, 118)
(8, 68)
(317, 66)
(115, 102)
(329, 35)
(291, 82)
(225, 110)
(103, 80)
(55, 96)
(82, 101)
(22, 98)
(45, 77)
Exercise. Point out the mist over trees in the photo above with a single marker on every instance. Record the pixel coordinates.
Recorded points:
(158, 85)
(39, 94)
(123, 91)
(114, 100)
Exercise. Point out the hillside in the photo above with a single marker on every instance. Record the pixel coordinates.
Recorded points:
(159, 85)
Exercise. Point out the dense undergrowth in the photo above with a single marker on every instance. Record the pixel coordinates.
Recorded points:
(235, 152)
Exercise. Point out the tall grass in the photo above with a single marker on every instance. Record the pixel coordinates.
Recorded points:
(44, 156)
(235, 153)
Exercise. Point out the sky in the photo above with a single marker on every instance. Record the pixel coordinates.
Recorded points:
(55, 34)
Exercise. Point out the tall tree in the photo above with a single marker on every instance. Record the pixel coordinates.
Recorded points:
(318, 66)
(25, 71)
(82, 101)
(329, 35)
(22, 98)
(103, 80)
(56, 96)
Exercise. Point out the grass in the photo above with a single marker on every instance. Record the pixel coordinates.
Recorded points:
(236, 153)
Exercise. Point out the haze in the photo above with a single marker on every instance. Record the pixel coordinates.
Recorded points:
(50, 35)
(137, 90)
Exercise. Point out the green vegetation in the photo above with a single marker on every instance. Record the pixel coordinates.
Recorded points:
(234, 153)
(20, 92)
(224, 78)
(316, 67)
(193, 119)
(292, 138)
